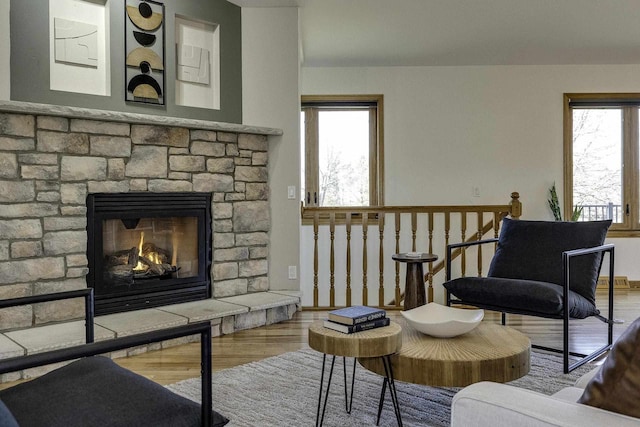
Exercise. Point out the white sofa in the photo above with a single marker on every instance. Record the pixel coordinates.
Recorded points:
(500, 405)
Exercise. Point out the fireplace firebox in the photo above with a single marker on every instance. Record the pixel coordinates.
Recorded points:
(148, 249)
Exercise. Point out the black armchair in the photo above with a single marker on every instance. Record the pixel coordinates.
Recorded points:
(544, 269)
(94, 390)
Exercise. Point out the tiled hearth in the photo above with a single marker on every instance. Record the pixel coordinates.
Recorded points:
(227, 315)
(52, 157)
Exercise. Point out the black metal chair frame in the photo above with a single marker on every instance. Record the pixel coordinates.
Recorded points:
(95, 348)
(566, 259)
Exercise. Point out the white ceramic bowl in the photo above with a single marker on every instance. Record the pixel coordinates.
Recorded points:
(442, 321)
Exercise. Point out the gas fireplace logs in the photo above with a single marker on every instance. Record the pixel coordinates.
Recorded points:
(147, 261)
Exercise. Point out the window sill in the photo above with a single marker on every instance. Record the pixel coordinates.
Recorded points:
(613, 233)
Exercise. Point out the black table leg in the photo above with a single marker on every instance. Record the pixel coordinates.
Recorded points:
(381, 402)
(347, 399)
(348, 403)
(319, 419)
(388, 379)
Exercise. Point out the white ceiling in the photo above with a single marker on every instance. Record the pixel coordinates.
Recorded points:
(465, 32)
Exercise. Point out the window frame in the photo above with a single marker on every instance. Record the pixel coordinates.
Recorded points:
(629, 103)
(311, 105)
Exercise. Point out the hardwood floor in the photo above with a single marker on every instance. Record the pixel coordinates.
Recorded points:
(182, 362)
(174, 364)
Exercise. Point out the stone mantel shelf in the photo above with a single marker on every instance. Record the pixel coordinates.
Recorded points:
(117, 116)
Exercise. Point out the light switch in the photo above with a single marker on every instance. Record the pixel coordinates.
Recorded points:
(291, 192)
(293, 272)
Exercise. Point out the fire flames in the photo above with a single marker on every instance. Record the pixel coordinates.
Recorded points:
(152, 256)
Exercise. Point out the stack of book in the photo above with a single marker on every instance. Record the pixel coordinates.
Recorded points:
(356, 318)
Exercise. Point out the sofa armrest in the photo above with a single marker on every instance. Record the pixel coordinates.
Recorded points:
(496, 405)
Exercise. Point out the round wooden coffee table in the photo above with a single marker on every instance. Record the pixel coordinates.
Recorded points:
(378, 343)
(490, 352)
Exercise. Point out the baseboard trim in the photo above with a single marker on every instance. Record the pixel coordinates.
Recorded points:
(619, 282)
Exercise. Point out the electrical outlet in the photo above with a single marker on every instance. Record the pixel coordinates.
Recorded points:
(475, 191)
(293, 272)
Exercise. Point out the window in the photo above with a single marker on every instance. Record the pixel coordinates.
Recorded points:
(341, 137)
(601, 159)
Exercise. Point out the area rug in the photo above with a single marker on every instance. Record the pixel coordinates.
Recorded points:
(283, 391)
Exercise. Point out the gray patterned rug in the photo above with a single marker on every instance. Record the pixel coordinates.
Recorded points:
(283, 391)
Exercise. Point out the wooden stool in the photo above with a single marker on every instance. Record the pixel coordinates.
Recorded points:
(378, 343)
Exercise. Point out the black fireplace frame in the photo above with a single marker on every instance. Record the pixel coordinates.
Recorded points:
(105, 206)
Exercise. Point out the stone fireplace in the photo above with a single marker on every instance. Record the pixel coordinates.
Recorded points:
(55, 159)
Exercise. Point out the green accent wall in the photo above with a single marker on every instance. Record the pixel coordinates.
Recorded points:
(30, 59)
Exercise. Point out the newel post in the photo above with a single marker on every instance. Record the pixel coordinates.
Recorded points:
(516, 206)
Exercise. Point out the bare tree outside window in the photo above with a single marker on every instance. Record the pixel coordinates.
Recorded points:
(597, 163)
(344, 143)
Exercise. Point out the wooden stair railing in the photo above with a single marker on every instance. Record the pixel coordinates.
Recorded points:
(459, 252)
(367, 217)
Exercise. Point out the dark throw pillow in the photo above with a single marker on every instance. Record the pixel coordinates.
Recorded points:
(532, 250)
(616, 386)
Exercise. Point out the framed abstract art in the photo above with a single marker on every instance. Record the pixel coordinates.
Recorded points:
(144, 49)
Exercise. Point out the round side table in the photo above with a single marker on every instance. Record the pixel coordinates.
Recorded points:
(373, 343)
(414, 294)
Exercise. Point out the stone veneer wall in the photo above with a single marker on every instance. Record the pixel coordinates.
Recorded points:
(48, 165)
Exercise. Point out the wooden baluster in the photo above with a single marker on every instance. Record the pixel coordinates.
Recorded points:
(447, 227)
(430, 273)
(365, 226)
(348, 229)
(479, 234)
(496, 228)
(463, 253)
(332, 266)
(414, 227)
(316, 220)
(398, 293)
(381, 259)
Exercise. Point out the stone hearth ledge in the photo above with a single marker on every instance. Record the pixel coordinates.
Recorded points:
(227, 315)
(118, 116)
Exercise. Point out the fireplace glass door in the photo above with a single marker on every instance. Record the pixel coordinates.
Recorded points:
(151, 250)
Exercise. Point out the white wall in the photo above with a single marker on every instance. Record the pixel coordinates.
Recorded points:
(5, 51)
(270, 81)
(448, 129)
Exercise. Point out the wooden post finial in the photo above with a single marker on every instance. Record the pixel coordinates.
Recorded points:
(516, 205)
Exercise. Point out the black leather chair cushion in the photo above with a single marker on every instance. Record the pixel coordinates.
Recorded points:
(532, 250)
(95, 391)
(519, 296)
